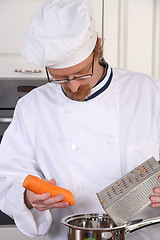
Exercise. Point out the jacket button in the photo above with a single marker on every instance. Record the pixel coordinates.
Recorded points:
(111, 142)
(80, 185)
(73, 147)
(68, 110)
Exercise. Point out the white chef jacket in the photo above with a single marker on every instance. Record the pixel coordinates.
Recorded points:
(84, 146)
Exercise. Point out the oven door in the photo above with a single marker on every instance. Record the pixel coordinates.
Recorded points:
(5, 120)
(11, 90)
(8, 229)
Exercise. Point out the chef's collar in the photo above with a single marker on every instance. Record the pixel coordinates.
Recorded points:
(103, 83)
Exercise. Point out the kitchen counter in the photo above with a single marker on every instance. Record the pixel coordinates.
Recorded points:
(10, 62)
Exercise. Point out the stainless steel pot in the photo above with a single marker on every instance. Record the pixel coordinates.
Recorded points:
(101, 227)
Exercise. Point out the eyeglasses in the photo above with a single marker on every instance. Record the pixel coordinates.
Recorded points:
(60, 81)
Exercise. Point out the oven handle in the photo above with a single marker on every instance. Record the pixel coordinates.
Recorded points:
(5, 120)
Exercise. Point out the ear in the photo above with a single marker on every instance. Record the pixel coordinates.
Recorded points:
(98, 49)
(99, 43)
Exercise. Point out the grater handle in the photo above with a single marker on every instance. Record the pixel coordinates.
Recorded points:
(141, 224)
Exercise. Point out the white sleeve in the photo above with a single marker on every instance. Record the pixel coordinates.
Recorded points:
(17, 160)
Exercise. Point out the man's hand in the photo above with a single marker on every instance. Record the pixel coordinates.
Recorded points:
(44, 201)
(156, 199)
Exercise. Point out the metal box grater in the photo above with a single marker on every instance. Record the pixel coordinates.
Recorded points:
(127, 196)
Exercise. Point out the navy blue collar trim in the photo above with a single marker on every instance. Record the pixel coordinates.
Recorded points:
(104, 75)
(103, 88)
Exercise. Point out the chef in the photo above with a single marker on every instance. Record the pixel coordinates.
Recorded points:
(88, 126)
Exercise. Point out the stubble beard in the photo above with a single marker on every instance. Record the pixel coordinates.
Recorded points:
(82, 93)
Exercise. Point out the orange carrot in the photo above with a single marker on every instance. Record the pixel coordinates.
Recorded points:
(38, 185)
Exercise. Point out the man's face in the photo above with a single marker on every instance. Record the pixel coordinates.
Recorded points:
(76, 89)
(80, 95)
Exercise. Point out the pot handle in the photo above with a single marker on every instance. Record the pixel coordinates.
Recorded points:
(5, 120)
(140, 223)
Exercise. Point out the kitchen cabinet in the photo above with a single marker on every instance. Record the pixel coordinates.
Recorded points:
(130, 28)
(132, 35)
(98, 12)
(12, 233)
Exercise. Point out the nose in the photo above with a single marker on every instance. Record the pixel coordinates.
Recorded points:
(73, 85)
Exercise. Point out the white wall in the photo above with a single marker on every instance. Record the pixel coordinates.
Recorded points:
(14, 19)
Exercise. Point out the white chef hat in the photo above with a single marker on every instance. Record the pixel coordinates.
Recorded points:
(61, 34)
